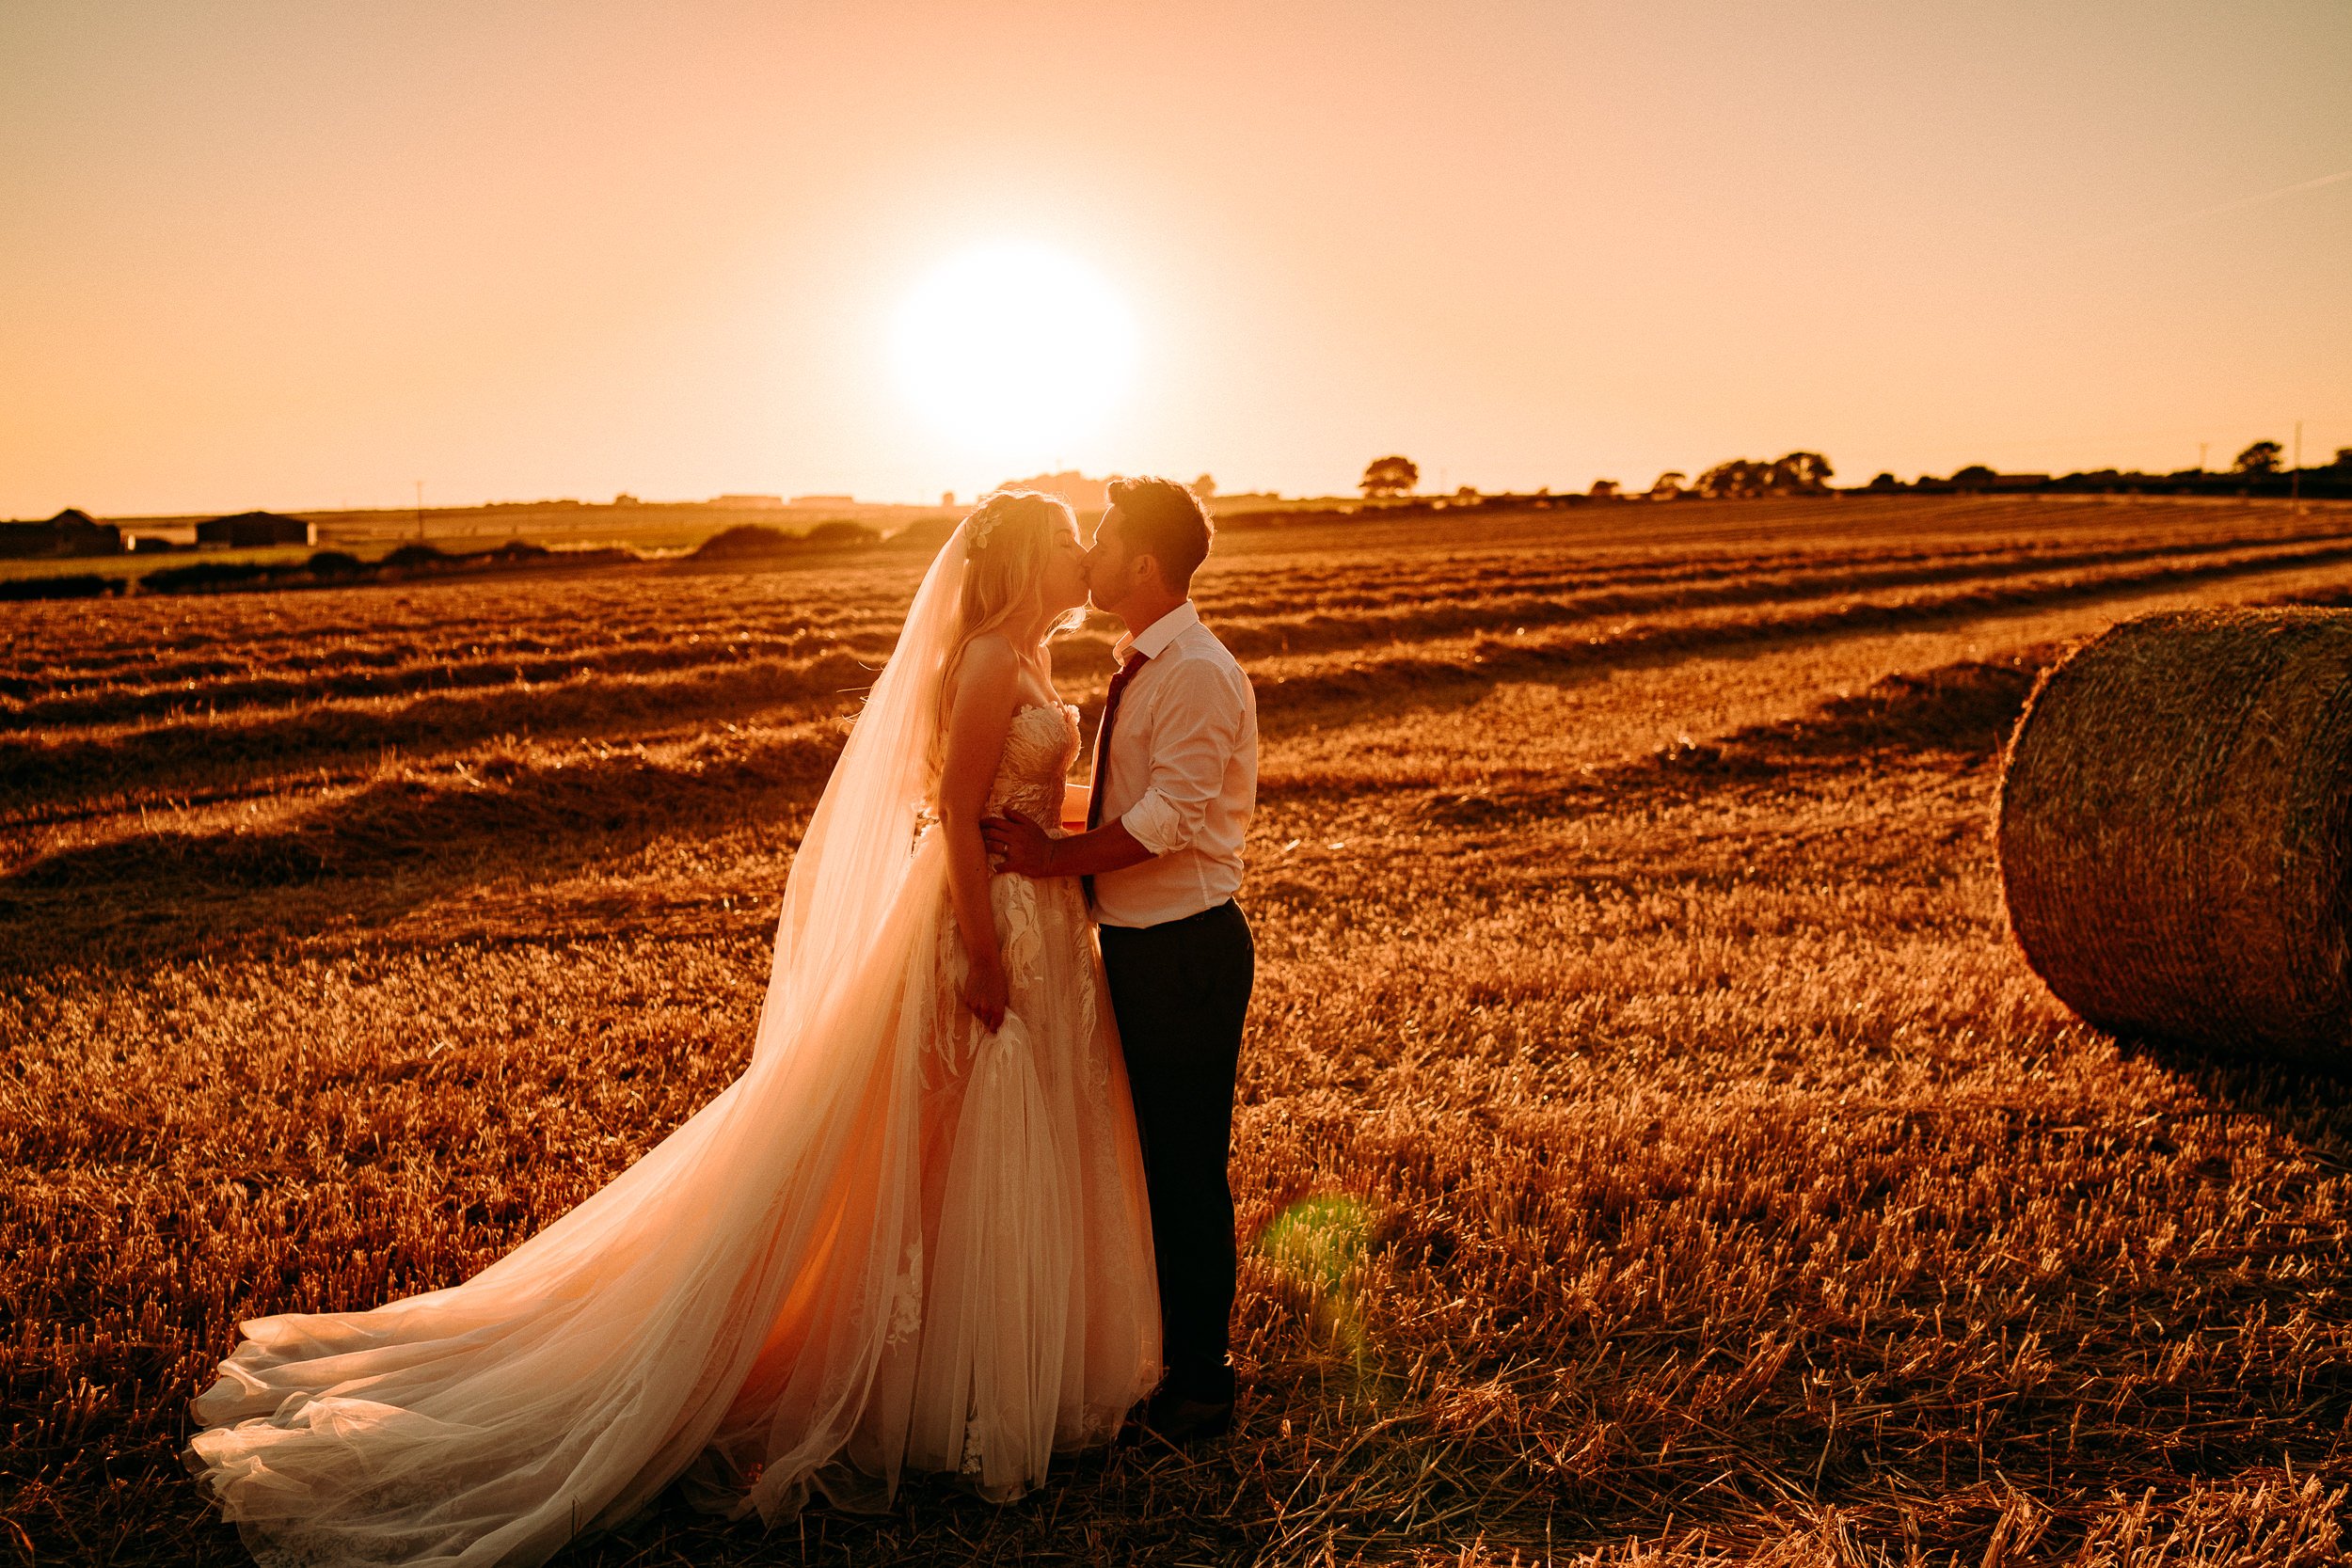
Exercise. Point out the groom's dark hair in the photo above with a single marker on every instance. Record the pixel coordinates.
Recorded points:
(1167, 522)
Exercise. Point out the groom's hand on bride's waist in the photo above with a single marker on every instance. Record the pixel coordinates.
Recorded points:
(1027, 849)
(1017, 844)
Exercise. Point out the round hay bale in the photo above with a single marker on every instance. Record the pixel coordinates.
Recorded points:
(2172, 830)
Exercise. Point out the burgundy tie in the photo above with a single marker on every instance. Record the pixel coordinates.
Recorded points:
(1102, 750)
(1102, 735)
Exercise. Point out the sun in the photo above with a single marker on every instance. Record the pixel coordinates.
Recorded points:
(1014, 349)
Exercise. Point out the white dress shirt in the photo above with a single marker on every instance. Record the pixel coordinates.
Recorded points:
(1182, 775)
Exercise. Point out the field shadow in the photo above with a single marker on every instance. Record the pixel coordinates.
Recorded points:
(2305, 1100)
(1959, 714)
(1411, 683)
(388, 850)
(1965, 709)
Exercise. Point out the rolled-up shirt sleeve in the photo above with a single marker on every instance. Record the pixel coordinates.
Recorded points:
(1196, 729)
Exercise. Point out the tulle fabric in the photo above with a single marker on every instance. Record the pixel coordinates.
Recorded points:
(897, 1238)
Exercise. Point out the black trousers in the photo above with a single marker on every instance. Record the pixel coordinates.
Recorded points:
(1179, 991)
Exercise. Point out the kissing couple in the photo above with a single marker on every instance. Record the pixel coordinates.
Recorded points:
(966, 1205)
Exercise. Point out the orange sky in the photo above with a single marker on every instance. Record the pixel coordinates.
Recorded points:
(301, 254)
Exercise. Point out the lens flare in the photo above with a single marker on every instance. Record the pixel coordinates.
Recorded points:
(1317, 1242)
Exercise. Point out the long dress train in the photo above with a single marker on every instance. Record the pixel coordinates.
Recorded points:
(896, 1239)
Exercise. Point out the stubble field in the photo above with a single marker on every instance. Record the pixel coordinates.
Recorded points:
(1651, 1149)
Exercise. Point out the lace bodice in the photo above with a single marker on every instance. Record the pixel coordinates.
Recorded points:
(1039, 749)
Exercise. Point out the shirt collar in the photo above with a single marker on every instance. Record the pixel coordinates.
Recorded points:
(1152, 641)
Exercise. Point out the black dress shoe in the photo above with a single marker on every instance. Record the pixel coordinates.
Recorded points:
(1176, 1418)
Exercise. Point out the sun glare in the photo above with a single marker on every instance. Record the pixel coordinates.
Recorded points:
(1014, 349)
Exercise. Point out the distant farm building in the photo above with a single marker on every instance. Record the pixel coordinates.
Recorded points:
(249, 531)
(747, 500)
(71, 531)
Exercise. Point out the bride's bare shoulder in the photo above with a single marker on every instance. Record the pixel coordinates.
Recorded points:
(992, 646)
(988, 672)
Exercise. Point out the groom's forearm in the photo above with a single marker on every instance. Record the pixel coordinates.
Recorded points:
(1109, 848)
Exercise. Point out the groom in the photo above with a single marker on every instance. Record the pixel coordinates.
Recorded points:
(1175, 779)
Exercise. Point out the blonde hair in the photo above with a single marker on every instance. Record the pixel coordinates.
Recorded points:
(1008, 539)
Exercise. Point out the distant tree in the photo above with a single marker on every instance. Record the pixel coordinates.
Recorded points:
(1467, 493)
(1604, 489)
(2260, 458)
(1887, 481)
(2344, 457)
(1204, 486)
(1666, 487)
(1389, 476)
(1800, 473)
(1733, 481)
(1974, 477)
(625, 498)
(1797, 473)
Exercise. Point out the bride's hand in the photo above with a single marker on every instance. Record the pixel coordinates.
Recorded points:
(986, 993)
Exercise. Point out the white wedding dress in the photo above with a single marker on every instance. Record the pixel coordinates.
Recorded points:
(896, 1239)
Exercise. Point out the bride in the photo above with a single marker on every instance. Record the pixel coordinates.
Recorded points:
(912, 1232)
